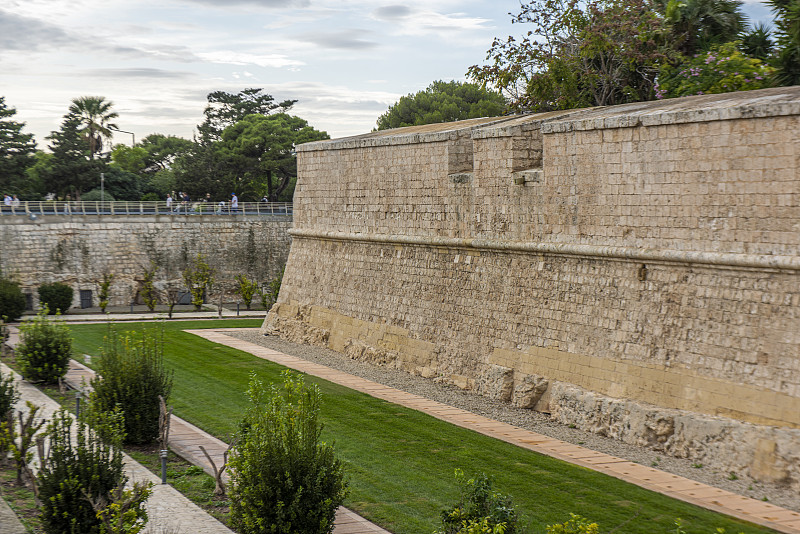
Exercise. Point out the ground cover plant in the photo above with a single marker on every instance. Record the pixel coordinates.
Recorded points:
(401, 462)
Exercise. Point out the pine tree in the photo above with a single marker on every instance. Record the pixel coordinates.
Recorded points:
(71, 169)
(16, 152)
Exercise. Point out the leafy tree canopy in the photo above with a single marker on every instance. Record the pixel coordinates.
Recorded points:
(579, 54)
(257, 154)
(36, 176)
(129, 158)
(443, 102)
(720, 70)
(606, 52)
(17, 151)
(121, 184)
(226, 109)
(163, 149)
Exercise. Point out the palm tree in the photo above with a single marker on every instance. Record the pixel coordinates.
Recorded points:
(757, 42)
(699, 24)
(96, 115)
(787, 33)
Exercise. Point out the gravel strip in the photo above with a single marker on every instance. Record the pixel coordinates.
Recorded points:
(527, 419)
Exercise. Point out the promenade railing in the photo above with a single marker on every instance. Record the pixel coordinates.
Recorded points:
(51, 207)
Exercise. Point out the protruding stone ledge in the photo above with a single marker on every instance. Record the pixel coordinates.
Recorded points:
(528, 176)
(746, 261)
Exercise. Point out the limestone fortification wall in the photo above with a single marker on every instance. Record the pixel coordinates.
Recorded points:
(77, 250)
(633, 269)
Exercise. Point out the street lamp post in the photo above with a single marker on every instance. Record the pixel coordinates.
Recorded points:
(102, 191)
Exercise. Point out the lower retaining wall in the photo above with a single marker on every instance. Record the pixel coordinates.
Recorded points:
(79, 249)
(696, 359)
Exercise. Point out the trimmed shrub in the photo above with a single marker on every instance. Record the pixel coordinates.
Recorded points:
(9, 395)
(12, 301)
(81, 464)
(284, 479)
(56, 297)
(44, 350)
(480, 508)
(131, 376)
(95, 195)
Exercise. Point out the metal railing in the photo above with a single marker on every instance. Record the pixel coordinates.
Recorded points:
(51, 207)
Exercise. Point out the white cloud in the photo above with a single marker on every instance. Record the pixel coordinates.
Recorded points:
(239, 58)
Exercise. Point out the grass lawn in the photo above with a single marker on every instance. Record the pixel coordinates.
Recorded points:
(401, 462)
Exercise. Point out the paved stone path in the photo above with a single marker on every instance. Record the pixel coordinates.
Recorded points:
(9, 522)
(718, 500)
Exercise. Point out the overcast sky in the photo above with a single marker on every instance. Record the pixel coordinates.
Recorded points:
(346, 61)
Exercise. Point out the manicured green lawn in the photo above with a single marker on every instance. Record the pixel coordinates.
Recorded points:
(401, 462)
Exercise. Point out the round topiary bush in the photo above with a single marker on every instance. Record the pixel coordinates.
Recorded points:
(12, 301)
(57, 297)
(95, 195)
(44, 350)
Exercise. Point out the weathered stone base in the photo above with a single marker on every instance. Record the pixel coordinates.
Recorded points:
(765, 453)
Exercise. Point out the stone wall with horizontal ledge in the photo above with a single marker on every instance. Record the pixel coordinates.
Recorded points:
(633, 270)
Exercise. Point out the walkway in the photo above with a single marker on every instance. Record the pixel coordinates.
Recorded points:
(718, 500)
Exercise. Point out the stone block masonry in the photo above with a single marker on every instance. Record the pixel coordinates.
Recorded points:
(77, 250)
(633, 270)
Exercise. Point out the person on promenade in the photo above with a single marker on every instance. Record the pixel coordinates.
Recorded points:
(234, 202)
(7, 200)
(15, 202)
(169, 202)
